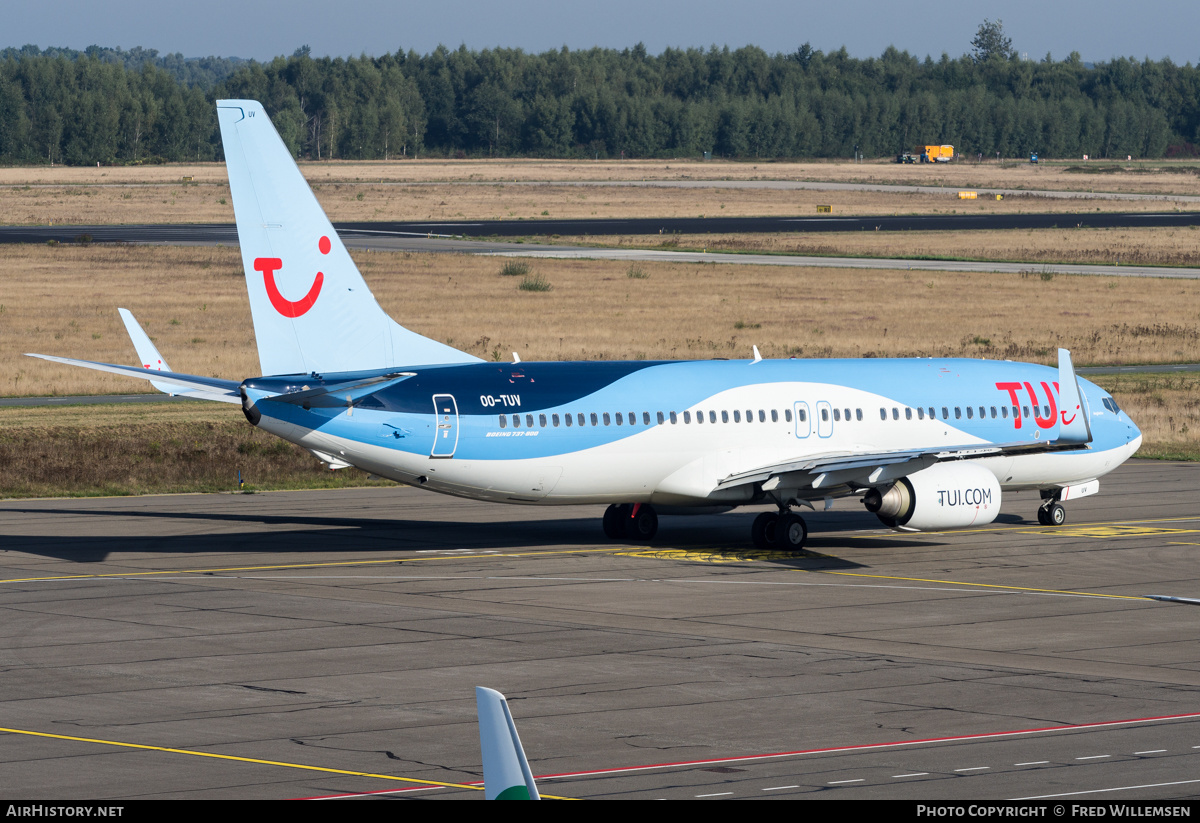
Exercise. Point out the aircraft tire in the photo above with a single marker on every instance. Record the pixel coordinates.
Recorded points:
(614, 522)
(1056, 515)
(763, 530)
(644, 524)
(791, 532)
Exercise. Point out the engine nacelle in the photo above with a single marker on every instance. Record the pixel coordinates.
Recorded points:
(943, 496)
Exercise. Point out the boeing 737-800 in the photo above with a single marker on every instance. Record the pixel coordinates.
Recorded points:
(925, 443)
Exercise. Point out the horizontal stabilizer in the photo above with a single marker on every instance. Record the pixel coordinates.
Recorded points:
(184, 385)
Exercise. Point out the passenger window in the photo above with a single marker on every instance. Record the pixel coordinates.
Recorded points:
(895, 413)
(932, 413)
(774, 415)
(699, 417)
(529, 421)
(982, 412)
(945, 413)
(837, 415)
(737, 416)
(554, 420)
(569, 418)
(595, 420)
(1026, 410)
(1004, 412)
(674, 419)
(920, 413)
(803, 415)
(542, 420)
(957, 412)
(607, 419)
(660, 418)
(762, 416)
(907, 413)
(645, 418)
(503, 422)
(581, 418)
(970, 412)
(883, 414)
(687, 417)
(724, 416)
(620, 419)
(516, 421)
(825, 415)
(633, 418)
(993, 412)
(749, 416)
(858, 415)
(787, 415)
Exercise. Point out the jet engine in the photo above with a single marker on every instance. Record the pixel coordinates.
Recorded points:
(945, 495)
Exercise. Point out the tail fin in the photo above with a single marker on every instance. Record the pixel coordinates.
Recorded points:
(506, 774)
(312, 310)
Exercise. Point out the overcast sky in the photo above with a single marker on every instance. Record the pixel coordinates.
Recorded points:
(1097, 29)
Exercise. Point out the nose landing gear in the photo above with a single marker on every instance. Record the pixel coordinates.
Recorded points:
(1051, 512)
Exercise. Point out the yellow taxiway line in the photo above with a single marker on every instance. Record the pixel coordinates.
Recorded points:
(259, 761)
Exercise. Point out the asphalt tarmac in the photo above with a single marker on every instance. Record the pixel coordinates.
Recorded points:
(307, 644)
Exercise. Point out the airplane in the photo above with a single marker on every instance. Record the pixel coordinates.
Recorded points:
(924, 443)
(506, 774)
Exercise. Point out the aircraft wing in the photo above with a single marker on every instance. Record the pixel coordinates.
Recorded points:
(872, 469)
(184, 385)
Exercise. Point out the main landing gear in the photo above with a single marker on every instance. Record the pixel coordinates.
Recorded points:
(783, 530)
(635, 521)
(1051, 512)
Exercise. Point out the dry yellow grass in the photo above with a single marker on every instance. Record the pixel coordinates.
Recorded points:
(62, 300)
(486, 190)
(210, 203)
(1150, 177)
(1165, 407)
(1142, 247)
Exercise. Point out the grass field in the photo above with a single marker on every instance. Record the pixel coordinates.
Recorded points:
(1139, 176)
(1140, 247)
(63, 299)
(488, 190)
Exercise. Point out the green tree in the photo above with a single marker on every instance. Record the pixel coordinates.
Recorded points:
(990, 42)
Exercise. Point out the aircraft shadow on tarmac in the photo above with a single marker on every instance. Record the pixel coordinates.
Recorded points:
(716, 535)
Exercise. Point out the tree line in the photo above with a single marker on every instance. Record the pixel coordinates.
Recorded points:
(112, 106)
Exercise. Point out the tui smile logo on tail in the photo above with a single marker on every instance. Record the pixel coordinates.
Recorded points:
(290, 308)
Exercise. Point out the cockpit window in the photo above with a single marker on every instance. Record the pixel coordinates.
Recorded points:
(1111, 405)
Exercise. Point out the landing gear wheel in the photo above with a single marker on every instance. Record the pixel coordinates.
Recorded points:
(1052, 515)
(614, 522)
(1056, 515)
(791, 532)
(763, 530)
(642, 522)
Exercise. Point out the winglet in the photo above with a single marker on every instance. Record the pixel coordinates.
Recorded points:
(506, 774)
(147, 352)
(1073, 413)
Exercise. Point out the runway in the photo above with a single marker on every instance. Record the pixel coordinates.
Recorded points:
(308, 644)
(214, 233)
(431, 241)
